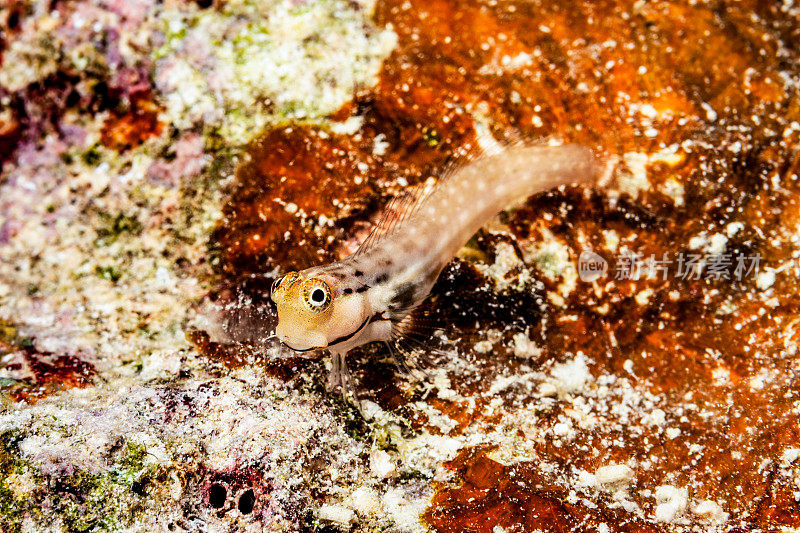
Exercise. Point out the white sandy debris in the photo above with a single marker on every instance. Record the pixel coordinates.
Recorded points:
(790, 455)
(405, 509)
(484, 346)
(524, 347)
(656, 417)
(366, 502)
(674, 189)
(614, 474)
(570, 376)
(671, 503)
(633, 180)
(443, 385)
(765, 279)
(711, 511)
(507, 270)
(716, 244)
(381, 464)
(336, 513)
(547, 389)
(733, 228)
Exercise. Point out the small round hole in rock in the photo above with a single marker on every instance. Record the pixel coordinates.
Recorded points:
(246, 501)
(217, 496)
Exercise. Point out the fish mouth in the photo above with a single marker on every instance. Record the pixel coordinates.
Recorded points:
(332, 343)
(337, 340)
(298, 349)
(350, 335)
(300, 340)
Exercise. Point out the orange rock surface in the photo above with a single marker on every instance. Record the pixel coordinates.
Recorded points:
(703, 95)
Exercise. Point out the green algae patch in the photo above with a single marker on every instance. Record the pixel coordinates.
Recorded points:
(265, 62)
(107, 501)
(18, 479)
(82, 501)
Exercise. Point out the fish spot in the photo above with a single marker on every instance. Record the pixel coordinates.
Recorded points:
(404, 297)
(348, 290)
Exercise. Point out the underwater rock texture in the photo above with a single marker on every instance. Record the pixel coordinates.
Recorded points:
(160, 155)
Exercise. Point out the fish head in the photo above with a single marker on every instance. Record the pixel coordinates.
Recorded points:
(315, 311)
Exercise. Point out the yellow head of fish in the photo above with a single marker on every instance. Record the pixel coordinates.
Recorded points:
(314, 311)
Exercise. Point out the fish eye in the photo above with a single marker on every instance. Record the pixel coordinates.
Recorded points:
(317, 295)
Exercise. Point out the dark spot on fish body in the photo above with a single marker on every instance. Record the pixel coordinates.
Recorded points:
(404, 297)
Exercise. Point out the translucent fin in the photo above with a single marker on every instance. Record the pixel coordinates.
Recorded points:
(400, 208)
(339, 378)
(412, 342)
(401, 359)
(406, 360)
(505, 171)
(396, 211)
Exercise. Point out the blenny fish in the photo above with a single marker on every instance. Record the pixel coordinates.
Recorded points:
(372, 294)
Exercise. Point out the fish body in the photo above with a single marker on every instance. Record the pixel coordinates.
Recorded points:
(370, 295)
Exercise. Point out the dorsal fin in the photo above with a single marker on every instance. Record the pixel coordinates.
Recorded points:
(401, 207)
(396, 211)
